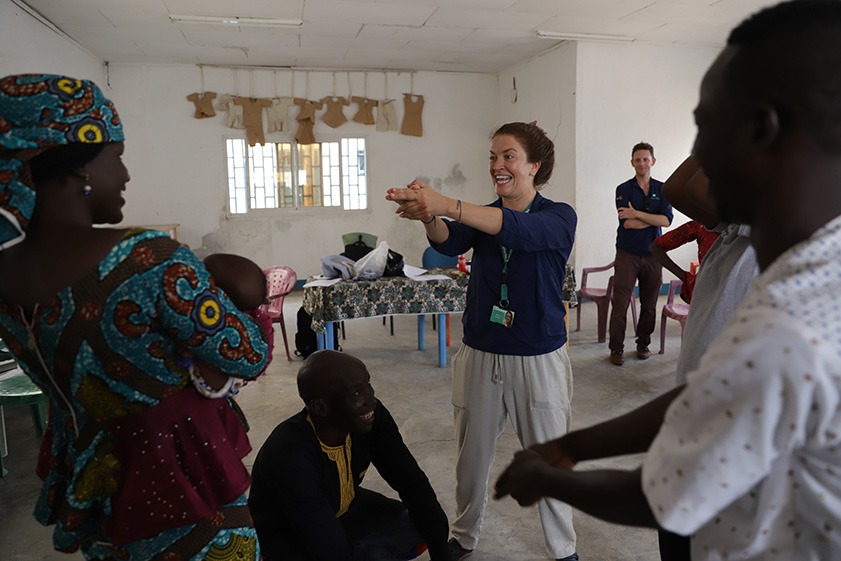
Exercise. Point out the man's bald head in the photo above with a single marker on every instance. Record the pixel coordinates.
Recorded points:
(322, 374)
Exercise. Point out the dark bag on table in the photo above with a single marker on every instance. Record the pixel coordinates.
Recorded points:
(357, 250)
(394, 265)
(305, 339)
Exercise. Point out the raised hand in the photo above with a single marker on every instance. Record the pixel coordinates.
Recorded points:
(417, 201)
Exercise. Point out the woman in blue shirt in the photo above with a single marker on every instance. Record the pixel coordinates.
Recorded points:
(513, 361)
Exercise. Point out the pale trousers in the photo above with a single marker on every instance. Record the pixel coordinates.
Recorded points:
(535, 393)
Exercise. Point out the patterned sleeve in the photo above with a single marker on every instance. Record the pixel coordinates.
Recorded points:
(204, 321)
(750, 403)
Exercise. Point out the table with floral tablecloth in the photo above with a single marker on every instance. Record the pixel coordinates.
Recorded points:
(386, 296)
(353, 299)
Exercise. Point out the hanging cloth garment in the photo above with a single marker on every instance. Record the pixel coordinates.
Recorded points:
(365, 115)
(386, 115)
(203, 103)
(306, 120)
(412, 125)
(253, 117)
(234, 118)
(334, 116)
(277, 116)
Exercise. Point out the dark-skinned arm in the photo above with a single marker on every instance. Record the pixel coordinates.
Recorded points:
(663, 258)
(631, 433)
(612, 495)
(687, 190)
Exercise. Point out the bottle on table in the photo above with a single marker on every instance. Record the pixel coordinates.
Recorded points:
(462, 264)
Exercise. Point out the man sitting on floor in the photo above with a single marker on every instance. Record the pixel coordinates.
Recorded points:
(306, 498)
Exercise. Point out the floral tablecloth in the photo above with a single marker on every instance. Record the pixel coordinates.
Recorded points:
(570, 292)
(385, 296)
(396, 295)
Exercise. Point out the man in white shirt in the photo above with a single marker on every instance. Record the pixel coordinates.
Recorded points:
(746, 458)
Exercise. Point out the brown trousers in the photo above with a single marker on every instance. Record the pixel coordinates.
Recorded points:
(627, 269)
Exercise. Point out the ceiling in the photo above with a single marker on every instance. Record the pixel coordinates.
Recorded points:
(441, 35)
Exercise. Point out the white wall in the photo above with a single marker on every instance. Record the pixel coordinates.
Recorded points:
(626, 94)
(178, 167)
(546, 93)
(28, 46)
(594, 99)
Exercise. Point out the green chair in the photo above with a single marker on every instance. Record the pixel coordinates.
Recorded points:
(17, 389)
(369, 240)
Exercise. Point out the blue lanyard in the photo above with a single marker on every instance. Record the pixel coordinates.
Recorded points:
(506, 256)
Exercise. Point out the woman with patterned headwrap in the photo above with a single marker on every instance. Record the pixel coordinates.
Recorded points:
(136, 465)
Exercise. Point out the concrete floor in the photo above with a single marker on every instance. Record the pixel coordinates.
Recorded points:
(418, 394)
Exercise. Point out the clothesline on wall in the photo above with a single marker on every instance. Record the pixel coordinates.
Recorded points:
(248, 112)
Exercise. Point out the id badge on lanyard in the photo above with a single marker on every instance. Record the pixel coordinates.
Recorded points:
(501, 314)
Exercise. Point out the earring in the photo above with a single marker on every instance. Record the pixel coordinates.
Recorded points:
(87, 189)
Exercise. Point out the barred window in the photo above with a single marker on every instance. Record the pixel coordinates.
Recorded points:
(296, 176)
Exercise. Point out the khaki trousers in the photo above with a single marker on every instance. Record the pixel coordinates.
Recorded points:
(535, 393)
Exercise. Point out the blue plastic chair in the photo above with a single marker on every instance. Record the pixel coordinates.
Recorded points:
(432, 259)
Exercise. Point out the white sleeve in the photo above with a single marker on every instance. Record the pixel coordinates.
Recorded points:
(752, 400)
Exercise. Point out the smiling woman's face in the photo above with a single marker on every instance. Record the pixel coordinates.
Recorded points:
(107, 177)
(511, 172)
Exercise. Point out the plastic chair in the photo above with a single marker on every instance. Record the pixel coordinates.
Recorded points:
(280, 281)
(602, 298)
(368, 239)
(431, 259)
(17, 389)
(674, 310)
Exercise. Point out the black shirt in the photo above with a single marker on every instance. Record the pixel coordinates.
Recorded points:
(295, 490)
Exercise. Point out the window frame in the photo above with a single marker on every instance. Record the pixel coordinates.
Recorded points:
(324, 211)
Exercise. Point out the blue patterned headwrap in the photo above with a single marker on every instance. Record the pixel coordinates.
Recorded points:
(38, 112)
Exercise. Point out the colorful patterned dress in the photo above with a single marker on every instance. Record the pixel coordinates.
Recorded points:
(136, 465)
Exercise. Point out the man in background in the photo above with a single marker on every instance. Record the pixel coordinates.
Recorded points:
(642, 212)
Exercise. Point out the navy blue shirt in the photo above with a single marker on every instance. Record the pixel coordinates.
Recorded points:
(637, 241)
(541, 241)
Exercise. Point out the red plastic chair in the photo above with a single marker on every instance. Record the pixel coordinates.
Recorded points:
(602, 298)
(280, 281)
(675, 310)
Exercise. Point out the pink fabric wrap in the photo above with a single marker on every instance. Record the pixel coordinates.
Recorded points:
(180, 461)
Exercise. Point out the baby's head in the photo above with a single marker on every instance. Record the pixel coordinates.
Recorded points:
(240, 278)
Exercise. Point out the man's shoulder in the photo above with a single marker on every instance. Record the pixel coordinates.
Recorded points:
(382, 416)
(289, 433)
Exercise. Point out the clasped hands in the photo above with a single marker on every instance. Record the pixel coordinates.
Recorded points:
(418, 201)
(524, 479)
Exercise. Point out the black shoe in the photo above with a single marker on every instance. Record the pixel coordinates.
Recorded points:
(643, 352)
(617, 358)
(573, 557)
(457, 552)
